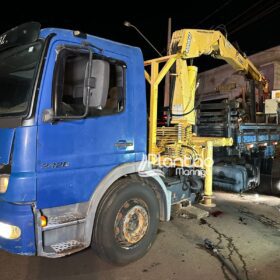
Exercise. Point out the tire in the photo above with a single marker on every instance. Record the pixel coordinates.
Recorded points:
(270, 182)
(126, 223)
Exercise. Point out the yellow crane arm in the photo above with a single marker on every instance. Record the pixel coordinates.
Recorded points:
(192, 43)
(177, 141)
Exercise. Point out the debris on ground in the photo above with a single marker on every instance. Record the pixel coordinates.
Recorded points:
(193, 212)
(188, 211)
(230, 248)
(242, 220)
(203, 222)
(260, 218)
(215, 251)
(216, 213)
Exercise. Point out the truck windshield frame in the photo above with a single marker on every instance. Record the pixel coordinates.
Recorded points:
(19, 67)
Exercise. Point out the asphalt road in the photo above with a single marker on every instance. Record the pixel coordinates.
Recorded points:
(247, 231)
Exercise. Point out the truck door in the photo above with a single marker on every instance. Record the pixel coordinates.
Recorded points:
(74, 155)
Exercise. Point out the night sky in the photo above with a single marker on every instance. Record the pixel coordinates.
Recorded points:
(253, 24)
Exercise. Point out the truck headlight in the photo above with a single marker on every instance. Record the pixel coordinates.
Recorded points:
(9, 232)
(4, 182)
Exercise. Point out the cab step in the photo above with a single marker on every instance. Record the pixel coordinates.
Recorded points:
(67, 219)
(64, 248)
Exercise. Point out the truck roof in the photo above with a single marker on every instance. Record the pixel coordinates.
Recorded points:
(68, 35)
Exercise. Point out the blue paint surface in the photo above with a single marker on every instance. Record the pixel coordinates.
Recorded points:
(259, 134)
(88, 146)
(21, 216)
(22, 183)
(6, 142)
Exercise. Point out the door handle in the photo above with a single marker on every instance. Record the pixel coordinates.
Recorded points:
(122, 144)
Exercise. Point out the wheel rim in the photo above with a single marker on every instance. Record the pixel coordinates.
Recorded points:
(132, 222)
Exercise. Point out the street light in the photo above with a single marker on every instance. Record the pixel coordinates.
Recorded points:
(128, 24)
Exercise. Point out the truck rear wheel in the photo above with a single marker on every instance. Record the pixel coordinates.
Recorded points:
(126, 222)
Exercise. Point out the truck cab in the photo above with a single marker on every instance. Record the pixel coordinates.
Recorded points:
(73, 127)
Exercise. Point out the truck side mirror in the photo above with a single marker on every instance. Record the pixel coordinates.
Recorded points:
(96, 84)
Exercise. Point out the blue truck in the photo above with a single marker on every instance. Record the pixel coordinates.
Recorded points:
(72, 182)
(73, 135)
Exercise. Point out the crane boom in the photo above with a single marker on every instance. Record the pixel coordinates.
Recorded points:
(193, 43)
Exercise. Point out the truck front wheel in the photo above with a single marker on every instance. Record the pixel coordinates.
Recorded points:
(127, 222)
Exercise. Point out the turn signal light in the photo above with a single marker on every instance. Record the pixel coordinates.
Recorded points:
(44, 221)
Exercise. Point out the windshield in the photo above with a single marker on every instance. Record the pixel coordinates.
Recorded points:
(18, 67)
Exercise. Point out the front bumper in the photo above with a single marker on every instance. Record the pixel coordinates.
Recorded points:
(22, 217)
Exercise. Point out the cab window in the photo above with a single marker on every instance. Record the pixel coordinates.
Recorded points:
(69, 85)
